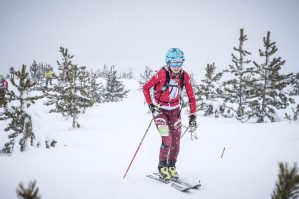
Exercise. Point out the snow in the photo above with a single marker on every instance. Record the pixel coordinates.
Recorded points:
(90, 162)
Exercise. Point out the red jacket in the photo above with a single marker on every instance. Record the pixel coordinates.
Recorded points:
(4, 84)
(169, 99)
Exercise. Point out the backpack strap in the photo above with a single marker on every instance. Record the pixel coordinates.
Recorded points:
(167, 78)
(182, 79)
(166, 83)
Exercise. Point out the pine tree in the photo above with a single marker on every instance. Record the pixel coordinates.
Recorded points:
(145, 77)
(36, 73)
(84, 80)
(287, 186)
(295, 84)
(130, 74)
(268, 88)
(96, 88)
(103, 72)
(124, 75)
(295, 113)
(208, 91)
(235, 90)
(21, 122)
(68, 95)
(115, 89)
(28, 193)
(127, 75)
(210, 85)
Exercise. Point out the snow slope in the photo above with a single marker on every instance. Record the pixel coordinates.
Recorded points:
(90, 162)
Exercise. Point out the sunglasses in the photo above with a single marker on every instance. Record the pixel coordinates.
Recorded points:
(176, 64)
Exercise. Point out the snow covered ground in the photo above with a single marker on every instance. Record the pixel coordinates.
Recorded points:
(90, 162)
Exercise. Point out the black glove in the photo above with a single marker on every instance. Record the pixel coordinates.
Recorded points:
(192, 121)
(154, 109)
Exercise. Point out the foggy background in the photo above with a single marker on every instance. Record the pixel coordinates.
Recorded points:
(134, 34)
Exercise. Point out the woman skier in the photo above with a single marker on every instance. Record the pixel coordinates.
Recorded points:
(165, 107)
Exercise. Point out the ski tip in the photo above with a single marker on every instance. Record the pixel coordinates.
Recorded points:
(197, 186)
(187, 189)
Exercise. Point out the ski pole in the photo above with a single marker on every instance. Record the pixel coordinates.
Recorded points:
(138, 147)
(222, 152)
(185, 131)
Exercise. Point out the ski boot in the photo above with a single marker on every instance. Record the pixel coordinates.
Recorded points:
(163, 170)
(172, 170)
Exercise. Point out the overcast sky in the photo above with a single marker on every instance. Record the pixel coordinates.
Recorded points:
(136, 33)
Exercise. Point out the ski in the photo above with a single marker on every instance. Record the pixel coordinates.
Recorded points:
(173, 184)
(187, 184)
(184, 183)
(158, 178)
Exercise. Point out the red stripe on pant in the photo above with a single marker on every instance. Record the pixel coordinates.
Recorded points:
(170, 146)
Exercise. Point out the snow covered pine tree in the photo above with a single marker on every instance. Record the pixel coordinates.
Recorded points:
(69, 97)
(115, 90)
(21, 122)
(96, 88)
(148, 73)
(268, 88)
(295, 83)
(36, 73)
(236, 89)
(208, 91)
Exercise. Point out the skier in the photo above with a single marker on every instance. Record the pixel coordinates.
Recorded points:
(49, 75)
(165, 107)
(3, 90)
(12, 72)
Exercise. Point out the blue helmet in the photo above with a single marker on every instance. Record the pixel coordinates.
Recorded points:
(174, 54)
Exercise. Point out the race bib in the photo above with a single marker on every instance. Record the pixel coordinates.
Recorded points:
(163, 130)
